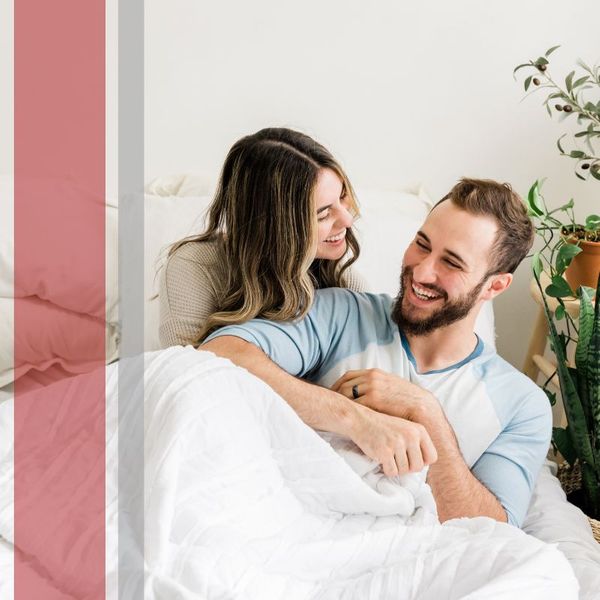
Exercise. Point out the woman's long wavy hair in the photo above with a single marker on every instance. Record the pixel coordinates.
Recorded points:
(264, 212)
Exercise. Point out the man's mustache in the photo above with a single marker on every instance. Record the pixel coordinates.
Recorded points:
(407, 272)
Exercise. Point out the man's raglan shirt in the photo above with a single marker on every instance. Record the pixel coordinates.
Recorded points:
(502, 420)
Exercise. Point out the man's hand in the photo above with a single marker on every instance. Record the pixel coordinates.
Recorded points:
(388, 393)
(399, 445)
(456, 491)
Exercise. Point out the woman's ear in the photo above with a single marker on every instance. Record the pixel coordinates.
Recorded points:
(496, 285)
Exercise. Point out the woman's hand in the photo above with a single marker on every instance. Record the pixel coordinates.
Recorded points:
(387, 393)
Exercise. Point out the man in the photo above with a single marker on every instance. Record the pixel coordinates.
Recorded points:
(438, 396)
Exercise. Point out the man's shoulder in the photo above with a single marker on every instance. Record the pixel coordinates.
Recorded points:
(356, 300)
(348, 307)
(511, 391)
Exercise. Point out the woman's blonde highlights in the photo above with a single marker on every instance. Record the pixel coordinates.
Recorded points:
(264, 214)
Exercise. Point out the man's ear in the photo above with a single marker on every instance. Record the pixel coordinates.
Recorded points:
(496, 285)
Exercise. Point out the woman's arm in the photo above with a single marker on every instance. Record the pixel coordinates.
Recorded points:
(187, 293)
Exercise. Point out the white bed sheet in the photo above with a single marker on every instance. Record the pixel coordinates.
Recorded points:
(550, 518)
(6, 392)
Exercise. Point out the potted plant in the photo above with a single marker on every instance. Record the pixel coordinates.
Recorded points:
(574, 100)
(565, 241)
(579, 384)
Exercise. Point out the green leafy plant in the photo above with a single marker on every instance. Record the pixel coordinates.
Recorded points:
(576, 99)
(562, 237)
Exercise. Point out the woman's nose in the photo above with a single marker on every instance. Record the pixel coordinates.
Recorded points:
(345, 218)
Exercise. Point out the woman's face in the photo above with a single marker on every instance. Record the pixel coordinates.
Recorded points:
(333, 215)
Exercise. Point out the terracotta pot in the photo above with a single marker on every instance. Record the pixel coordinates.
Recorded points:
(585, 267)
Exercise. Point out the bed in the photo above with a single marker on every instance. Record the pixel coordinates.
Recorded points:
(278, 516)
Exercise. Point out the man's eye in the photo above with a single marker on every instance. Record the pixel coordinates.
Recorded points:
(421, 245)
(452, 264)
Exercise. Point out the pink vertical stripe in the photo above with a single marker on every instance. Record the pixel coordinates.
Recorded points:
(59, 257)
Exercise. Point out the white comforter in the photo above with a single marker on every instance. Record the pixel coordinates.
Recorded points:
(244, 501)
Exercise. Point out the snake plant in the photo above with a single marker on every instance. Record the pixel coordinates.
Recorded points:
(579, 383)
(580, 391)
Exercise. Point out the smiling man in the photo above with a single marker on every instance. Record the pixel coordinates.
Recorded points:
(410, 382)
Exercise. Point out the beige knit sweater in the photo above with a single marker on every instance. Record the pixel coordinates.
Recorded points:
(189, 285)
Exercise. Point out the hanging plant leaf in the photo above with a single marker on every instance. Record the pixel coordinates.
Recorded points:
(592, 222)
(551, 50)
(565, 255)
(533, 200)
(559, 288)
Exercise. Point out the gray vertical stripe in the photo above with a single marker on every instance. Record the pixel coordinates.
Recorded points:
(131, 299)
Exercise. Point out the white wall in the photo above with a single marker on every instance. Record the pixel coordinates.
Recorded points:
(400, 92)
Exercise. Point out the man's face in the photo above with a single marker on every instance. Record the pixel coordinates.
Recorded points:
(445, 270)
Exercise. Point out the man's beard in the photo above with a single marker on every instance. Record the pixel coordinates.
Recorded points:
(450, 312)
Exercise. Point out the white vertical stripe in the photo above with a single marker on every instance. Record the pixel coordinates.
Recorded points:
(7, 219)
(112, 193)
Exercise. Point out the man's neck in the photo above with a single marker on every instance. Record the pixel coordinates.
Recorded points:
(443, 347)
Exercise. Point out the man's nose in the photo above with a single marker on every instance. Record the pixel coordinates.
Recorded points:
(425, 271)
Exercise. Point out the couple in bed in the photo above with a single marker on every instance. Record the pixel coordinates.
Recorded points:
(269, 286)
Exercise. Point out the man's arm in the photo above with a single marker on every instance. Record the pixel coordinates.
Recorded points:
(398, 444)
(457, 492)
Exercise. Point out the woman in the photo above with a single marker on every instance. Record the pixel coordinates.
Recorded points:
(279, 226)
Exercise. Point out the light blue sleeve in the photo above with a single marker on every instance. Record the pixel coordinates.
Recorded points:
(300, 347)
(510, 466)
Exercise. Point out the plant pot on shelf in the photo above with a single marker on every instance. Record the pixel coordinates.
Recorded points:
(570, 480)
(585, 267)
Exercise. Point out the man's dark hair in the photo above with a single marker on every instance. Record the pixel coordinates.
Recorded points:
(497, 200)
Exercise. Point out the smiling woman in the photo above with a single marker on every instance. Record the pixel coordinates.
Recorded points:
(279, 227)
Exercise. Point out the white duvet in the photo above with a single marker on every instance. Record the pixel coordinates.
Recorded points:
(242, 500)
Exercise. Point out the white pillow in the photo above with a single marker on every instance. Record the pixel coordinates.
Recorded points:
(42, 342)
(52, 281)
(55, 301)
(388, 222)
(182, 186)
